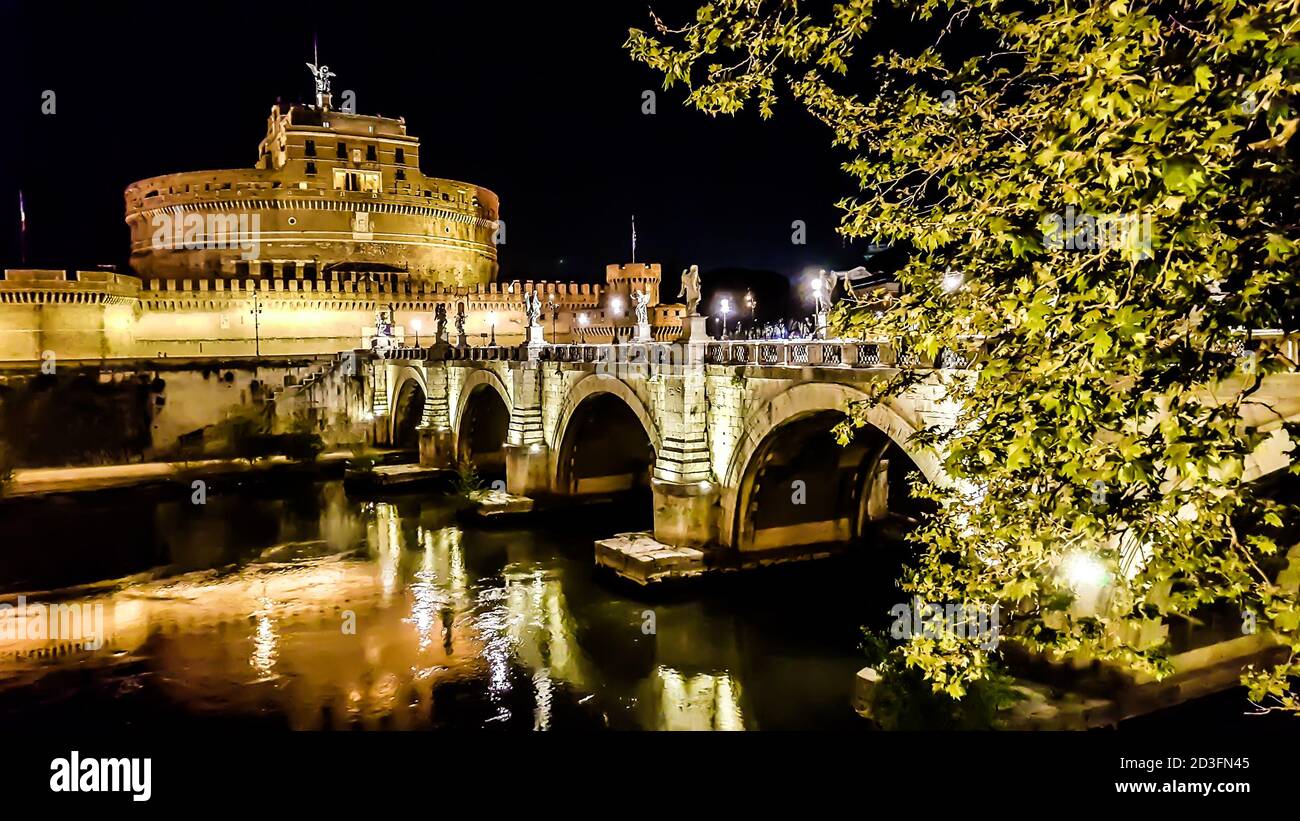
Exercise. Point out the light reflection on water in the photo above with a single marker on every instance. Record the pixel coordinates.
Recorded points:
(390, 615)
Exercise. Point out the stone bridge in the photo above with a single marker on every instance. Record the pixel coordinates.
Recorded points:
(731, 440)
(731, 446)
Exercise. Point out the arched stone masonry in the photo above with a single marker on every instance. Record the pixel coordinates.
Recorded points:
(800, 401)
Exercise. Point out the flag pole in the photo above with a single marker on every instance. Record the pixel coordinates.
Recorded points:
(22, 228)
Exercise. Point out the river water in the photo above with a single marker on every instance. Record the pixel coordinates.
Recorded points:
(294, 605)
(308, 609)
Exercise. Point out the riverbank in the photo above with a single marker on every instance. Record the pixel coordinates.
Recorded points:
(30, 482)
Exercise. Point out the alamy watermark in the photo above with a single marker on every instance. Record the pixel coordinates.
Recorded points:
(1073, 231)
(967, 620)
(79, 623)
(126, 775)
(198, 232)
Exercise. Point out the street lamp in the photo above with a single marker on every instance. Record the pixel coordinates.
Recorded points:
(616, 305)
(415, 324)
(492, 323)
(725, 307)
(582, 328)
(550, 301)
(257, 324)
(952, 281)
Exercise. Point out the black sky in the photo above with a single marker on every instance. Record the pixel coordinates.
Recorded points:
(537, 101)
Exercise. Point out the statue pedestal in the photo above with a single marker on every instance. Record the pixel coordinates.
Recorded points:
(533, 335)
(643, 332)
(694, 329)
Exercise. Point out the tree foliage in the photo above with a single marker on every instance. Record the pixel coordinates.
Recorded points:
(1099, 440)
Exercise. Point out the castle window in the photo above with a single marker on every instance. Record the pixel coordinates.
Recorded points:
(370, 153)
(401, 175)
(310, 149)
(400, 157)
(311, 168)
(349, 180)
(268, 269)
(241, 269)
(342, 151)
(446, 197)
(289, 270)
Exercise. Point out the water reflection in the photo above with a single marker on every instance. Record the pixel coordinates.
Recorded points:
(390, 615)
(706, 701)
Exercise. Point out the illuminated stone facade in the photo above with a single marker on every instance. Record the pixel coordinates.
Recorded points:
(298, 256)
(90, 316)
(331, 191)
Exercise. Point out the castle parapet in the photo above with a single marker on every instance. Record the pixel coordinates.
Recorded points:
(37, 285)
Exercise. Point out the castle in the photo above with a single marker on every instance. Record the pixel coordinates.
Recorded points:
(296, 256)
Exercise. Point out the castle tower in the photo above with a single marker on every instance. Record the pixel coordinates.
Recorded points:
(331, 191)
(622, 280)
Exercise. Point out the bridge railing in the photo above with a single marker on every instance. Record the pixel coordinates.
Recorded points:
(830, 353)
(762, 353)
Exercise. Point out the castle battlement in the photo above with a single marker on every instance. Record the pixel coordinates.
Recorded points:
(383, 283)
(44, 286)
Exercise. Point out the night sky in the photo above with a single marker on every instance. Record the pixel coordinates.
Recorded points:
(541, 103)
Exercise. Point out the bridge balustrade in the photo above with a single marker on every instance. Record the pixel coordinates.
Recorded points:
(868, 354)
(768, 353)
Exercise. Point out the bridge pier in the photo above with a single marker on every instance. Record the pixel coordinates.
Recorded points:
(528, 469)
(437, 448)
(437, 442)
(685, 513)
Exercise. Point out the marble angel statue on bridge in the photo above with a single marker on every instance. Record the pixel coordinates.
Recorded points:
(691, 290)
(641, 300)
(532, 308)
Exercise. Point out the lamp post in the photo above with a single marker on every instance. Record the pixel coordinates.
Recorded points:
(415, 324)
(725, 308)
(750, 304)
(257, 326)
(492, 323)
(582, 328)
(550, 302)
(818, 307)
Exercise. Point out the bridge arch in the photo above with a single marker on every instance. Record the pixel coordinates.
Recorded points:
(482, 421)
(407, 407)
(597, 429)
(799, 421)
